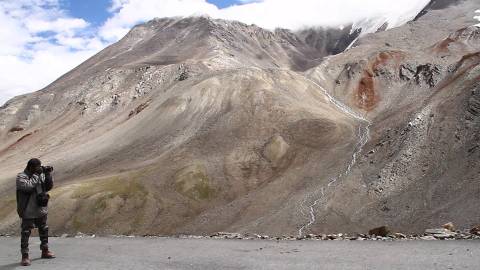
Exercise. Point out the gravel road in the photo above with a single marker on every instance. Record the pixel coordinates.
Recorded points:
(177, 253)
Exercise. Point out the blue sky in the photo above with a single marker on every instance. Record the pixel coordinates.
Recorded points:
(93, 11)
(223, 3)
(96, 11)
(47, 38)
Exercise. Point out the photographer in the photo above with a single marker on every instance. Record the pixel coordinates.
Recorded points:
(32, 199)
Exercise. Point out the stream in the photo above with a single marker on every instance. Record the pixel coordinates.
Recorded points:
(363, 135)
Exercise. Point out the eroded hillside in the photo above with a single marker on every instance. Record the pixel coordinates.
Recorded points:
(196, 125)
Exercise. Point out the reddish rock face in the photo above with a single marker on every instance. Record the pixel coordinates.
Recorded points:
(465, 40)
(13, 145)
(466, 64)
(367, 95)
(442, 47)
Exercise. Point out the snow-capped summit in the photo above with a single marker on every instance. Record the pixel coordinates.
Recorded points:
(392, 19)
(477, 17)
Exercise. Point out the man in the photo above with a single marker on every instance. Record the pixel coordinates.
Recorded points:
(31, 206)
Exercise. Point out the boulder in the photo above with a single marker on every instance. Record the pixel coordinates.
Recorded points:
(428, 237)
(475, 230)
(440, 233)
(380, 231)
(449, 226)
(275, 150)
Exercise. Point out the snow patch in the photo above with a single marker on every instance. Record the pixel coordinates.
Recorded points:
(391, 20)
(477, 17)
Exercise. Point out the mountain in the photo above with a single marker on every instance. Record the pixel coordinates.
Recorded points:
(436, 5)
(196, 125)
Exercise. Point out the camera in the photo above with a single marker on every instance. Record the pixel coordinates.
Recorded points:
(42, 199)
(47, 169)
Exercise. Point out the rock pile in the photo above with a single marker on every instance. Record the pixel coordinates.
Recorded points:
(430, 234)
(383, 233)
(475, 230)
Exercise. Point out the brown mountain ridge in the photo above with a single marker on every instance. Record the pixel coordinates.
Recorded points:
(197, 125)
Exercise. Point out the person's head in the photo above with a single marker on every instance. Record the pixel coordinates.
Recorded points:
(34, 165)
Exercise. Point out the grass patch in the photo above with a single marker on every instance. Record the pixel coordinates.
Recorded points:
(194, 183)
(95, 196)
(112, 187)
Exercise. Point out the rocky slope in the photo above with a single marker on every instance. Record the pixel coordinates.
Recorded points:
(195, 125)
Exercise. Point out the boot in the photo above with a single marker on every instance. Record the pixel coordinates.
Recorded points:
(25, 260)
(46, 254)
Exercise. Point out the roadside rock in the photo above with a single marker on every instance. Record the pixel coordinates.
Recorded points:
(475, 230)
(428, 237)
(226, 235)
(380, 231)
(449, 226)
(440, 233)
(80, 235)
(430, 234)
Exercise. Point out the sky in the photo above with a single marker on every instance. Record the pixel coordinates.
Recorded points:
(40, 40)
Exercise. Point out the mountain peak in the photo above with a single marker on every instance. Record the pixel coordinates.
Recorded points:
(189, 125)
(437, 5)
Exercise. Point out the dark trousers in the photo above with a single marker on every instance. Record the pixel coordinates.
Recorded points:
(27, 225)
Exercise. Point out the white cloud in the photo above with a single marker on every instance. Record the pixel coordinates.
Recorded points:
(249, 1)
(127, 13)
(270, 14)
(38, 25)
(18, 76)
(12, 35)
(38, 44)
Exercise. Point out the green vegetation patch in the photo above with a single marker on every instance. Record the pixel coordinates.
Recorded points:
(193, 182)
(112, 187)
(108, 200)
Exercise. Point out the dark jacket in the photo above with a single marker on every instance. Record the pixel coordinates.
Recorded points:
(28, 186)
